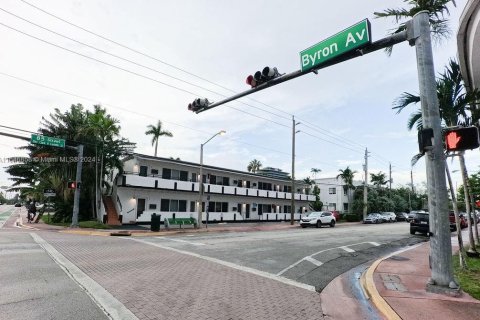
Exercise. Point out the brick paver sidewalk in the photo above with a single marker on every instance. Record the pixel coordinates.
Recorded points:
(155, 283)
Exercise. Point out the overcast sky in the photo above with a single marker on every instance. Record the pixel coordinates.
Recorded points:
(342, 110)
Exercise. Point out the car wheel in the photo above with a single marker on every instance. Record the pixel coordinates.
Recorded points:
(412, 231)
(303, 226)
(319, 224)
(332, 224)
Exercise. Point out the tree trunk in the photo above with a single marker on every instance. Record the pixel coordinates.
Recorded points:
(466, 190)
(461, 248)
(474, 214)
(156, 146)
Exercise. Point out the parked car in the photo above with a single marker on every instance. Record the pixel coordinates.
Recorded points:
(401, 216)
(389, 216)
(317, 219)
(453, 225)
(372, 218)
(420, 223)
(336, 214)
(413, 214)
(18, 204)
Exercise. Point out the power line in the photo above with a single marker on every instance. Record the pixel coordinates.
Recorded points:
(168, 64)
(318, 129)
(125, 109)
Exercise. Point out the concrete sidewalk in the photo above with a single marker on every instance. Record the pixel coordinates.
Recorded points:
(396, 285)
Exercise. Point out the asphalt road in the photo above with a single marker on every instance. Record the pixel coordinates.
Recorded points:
(311, 256)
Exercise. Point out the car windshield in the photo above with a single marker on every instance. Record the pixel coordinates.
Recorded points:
(315, 214)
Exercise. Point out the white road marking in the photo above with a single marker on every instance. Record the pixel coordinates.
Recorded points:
(232, 265)
(307, 258)
(183, 241)
(376, 244)
(104, 300)
(314, 261)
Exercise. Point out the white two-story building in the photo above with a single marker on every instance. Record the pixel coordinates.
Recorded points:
(333, 194)
(170, 188)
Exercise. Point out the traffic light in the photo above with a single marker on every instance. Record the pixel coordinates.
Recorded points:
(459, 139)
(259, 77)
(198, 104)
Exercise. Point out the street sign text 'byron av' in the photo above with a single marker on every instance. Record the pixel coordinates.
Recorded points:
(352, 38)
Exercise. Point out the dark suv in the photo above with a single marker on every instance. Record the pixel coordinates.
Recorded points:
(420, 223)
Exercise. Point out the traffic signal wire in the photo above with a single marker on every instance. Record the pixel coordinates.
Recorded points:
(318, 129)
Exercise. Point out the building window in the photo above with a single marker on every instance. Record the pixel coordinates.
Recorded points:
(192, 206)
(345, 191)
(287, 209)
(217, 206)
(332, 190)
(174, 174)
(152, 206)
(287, 189)
(264, 186)
(154, 172)
(345, 207)
(168, 205)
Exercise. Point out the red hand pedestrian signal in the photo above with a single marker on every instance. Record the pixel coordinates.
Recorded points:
(452, 140)
(463, 138)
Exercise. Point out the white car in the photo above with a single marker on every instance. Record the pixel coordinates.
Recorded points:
(389, 216)
(317, 219)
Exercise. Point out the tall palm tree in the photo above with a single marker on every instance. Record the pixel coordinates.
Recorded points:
(309, 182)
(347, 176)
(254, 166)
(157, 132)
(314, 171)
(379, 179)
(437, 11)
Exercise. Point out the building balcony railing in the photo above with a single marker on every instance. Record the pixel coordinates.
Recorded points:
(134, 180)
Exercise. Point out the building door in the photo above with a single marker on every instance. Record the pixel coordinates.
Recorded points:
(143, 171)
(260, 209)
(247, 211)
(140, 206)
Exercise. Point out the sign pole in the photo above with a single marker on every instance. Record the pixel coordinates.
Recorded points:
(440, 243)
(78, 179)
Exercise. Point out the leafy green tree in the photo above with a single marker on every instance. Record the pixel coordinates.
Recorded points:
(314, 171)
(437, 11)
(254, 166)
(98, 132)
(156, 132)
(317, 205)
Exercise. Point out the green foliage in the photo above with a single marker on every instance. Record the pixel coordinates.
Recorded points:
(103, 151)
(317, 205)
(353, 217)
(469, 278)
(254, 166)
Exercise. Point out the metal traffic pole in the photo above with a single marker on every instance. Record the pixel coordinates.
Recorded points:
(78, 180)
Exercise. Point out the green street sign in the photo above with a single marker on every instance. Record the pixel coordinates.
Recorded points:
(345, 41)
(48, 141)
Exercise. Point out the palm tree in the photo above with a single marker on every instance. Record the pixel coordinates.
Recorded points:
(254, 166)
(347, 176)
(437, 11)
(379, 179)
(314, 171)
(309, 182)
(157, 132)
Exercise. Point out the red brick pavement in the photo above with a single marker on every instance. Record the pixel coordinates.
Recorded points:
(155, 283)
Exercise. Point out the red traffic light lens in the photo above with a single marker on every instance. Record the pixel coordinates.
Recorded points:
(251, 81)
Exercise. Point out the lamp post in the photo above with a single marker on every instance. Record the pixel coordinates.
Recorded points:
(200, 179)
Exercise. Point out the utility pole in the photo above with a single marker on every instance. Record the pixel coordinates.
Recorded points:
(418, 34)
(365, 186)
(390, 177)
(411, 180)
(78, 184)
(292, 214)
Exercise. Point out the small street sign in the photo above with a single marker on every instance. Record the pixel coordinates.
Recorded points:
(49, 192)
(345, 41)
(48, 141)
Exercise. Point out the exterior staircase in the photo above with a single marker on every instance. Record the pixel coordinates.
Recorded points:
(112, 215)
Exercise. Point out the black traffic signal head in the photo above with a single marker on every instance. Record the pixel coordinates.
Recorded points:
(459, 139)
(259, 77)
(198, 104)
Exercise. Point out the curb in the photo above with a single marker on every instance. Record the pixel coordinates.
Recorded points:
(369, 287)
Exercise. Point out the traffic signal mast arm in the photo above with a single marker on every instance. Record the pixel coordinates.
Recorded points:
(374, 46)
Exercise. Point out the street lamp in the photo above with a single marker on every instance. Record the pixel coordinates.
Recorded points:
(200, 180)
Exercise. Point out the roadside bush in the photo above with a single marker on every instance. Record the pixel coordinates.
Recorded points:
(352, 217)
